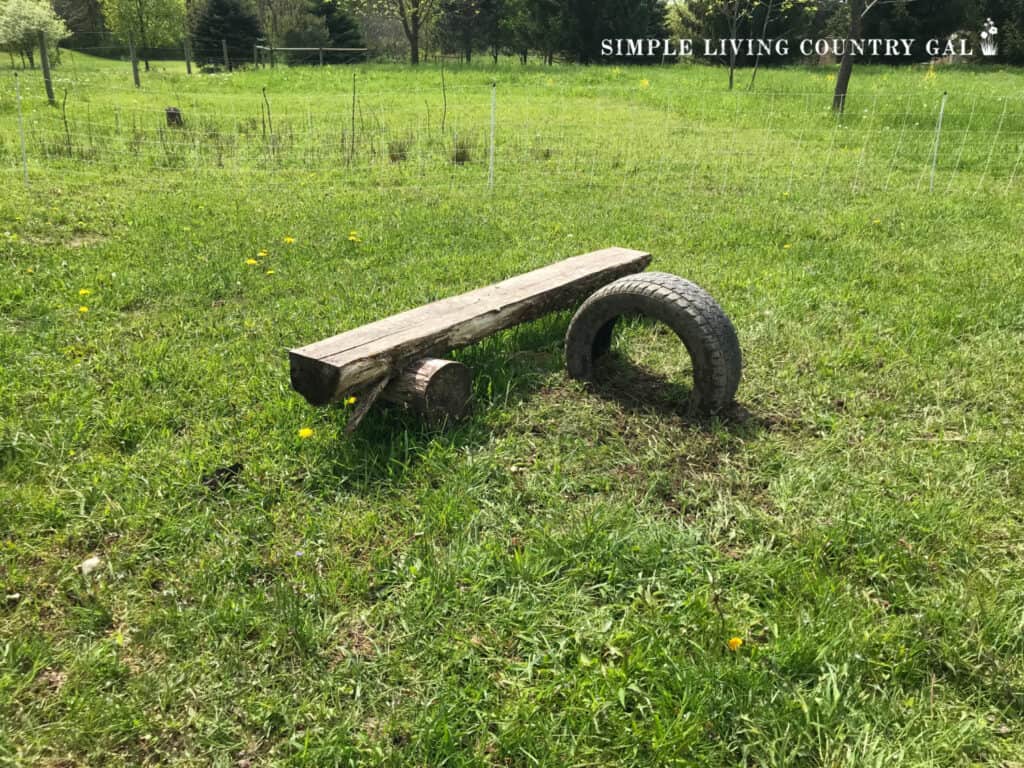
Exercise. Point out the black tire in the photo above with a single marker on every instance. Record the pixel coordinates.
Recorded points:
(686, 308)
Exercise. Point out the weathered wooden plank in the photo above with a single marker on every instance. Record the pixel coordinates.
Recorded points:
(329, 369)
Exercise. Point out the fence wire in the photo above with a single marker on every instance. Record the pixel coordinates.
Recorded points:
(690, 140)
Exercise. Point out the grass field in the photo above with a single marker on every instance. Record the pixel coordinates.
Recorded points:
(556, 580)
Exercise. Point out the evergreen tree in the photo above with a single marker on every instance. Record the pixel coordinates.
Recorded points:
(342, 30)
(225, 20)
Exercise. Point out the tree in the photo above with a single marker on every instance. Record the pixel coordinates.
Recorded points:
(21, 21)
(226, 20)
(919, 19)
(414, 16)
(342, 29)
(458, 26)
(145, 23)
(585, 23)
(857, 11)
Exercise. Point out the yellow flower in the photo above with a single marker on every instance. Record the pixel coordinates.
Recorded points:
(787, 246)
(251, 262)
(735, 643)
(353, 237)
(84, 292)
(877, 221)
(83, 309)
(785, 194)
(306, 432)
(263, 253)
(645, 83)
(350, 400)
(30, 270)
(289, 240)
(270, 271)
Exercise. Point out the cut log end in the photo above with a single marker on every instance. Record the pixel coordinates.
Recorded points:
(439, 390)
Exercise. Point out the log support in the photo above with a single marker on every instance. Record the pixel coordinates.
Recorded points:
(438, 390)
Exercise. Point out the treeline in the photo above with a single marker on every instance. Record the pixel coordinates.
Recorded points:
(570, 30)
(574, 29)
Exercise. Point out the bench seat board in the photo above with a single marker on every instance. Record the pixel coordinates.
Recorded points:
(332, 368)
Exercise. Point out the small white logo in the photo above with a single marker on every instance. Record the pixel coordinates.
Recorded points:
(989, 30)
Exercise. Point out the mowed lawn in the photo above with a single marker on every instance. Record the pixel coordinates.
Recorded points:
(554, 581)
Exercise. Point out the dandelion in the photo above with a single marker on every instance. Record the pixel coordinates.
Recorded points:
(785, 194)
(29, 271)
(645, 83)
(288, 240)
(735, 643)
(877, 221)
(353, 237)
(83, 309)
(306, 432)
(84, 292)
(270, 271)
(350, 400)
(263, 253)
(251, 262)
(787, 246)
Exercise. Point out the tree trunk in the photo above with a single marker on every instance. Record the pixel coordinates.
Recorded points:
(414, 45)
(846, 64)
(764, 35)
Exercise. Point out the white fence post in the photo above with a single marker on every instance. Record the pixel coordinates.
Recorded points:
(21, 127)
(490, 159)
(938, 136)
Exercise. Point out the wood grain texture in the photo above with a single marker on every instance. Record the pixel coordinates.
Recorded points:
(438, 390)
(330, 369)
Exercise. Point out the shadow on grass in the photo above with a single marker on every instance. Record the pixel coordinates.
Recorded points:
(637, 389)
(509, 369)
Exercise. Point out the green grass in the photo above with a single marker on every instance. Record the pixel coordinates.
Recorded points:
(554, 581)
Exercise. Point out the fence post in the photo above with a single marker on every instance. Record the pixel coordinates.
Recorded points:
(321, 57)
(490, 159)
(224, 49)
(188, 55)
(938, 136)
(135, 63)
(21, 127)
(44, 59)
(256, 55)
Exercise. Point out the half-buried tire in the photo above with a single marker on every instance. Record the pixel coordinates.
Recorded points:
(686, 308)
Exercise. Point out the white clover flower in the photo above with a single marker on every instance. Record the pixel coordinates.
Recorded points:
(89, 565)
(984, 35)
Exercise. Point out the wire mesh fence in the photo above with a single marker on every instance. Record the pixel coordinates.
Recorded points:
(689, 140)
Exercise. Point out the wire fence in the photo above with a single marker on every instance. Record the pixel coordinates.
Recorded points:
(692, 141)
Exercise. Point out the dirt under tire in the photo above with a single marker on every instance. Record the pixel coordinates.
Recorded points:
(689, 310)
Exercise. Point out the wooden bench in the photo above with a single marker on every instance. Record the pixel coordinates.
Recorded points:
(394, 357)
